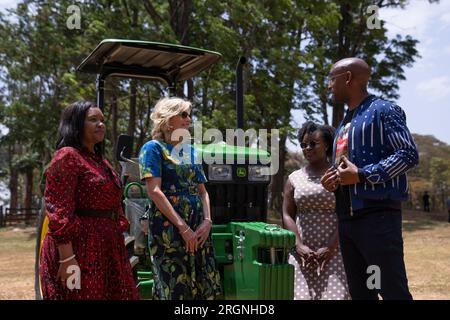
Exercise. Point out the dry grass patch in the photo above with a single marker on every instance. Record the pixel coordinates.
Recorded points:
(427, 258)
(17, 263)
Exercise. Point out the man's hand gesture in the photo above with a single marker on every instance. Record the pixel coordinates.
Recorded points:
(330, 180)
(348, 172)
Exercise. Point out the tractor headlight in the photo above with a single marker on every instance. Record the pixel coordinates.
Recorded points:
(258, 173)
(220, 172)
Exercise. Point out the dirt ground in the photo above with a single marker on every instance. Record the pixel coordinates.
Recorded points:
(426, 238)
(427, 255)
(17, 263)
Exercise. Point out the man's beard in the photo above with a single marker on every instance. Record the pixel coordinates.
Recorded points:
(336, 100)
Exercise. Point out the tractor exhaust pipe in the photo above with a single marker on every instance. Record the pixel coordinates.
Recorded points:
(240, 93)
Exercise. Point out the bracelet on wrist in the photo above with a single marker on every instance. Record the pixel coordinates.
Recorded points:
(208, 219)
(187, 229)
(67, 259)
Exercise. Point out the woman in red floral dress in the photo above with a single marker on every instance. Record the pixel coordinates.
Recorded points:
(86, 221)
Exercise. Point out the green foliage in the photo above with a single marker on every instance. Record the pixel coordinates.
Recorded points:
(388, 58)
(429, 148)
(440, 172)
(432, 174)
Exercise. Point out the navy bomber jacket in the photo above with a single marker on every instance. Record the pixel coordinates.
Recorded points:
(381, 146)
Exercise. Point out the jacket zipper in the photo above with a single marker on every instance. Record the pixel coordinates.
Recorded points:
(349, 145)
(351, 209)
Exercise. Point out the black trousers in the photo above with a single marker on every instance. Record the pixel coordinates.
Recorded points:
(374, 242)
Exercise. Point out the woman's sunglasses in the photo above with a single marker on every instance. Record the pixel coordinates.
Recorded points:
(312, 145)
(185, 114)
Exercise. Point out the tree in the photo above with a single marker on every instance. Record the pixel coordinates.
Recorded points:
(30, 53)
(25, 164)
(440, 178)
(388, 58)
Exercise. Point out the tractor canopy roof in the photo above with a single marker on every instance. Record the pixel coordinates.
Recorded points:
(168, 63)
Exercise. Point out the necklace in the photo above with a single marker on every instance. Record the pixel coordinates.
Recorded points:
(314, 174)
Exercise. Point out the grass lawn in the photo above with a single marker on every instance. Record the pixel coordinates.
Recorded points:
(17, 263)
(427, 255)
(426, 237)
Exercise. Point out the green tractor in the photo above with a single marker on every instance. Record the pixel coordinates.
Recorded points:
(251, 254)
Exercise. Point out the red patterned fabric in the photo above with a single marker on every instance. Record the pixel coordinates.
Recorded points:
(83, 180)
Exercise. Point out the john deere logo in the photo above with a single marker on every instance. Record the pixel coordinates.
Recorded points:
(241, 172)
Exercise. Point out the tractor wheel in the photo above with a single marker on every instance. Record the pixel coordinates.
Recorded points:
(129, 245)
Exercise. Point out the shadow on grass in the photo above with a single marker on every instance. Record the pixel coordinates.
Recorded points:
(28, 230)
(412, 220)
(420, 220)
(32, 235)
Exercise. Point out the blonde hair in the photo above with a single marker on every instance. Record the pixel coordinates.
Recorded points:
(165, 109)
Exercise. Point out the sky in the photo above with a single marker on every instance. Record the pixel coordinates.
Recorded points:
(425, 93)
(7, 4)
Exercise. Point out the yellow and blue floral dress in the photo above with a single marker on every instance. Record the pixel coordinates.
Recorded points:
(178, 274)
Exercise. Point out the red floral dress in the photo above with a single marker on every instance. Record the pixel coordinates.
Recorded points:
(83, 180)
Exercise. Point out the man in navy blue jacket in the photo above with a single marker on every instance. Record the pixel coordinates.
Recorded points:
(372, 151)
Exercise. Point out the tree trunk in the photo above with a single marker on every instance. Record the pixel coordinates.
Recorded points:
(13, 181)
(146, 122)
(344, 45)
(338, 114)
(13, 188)
(28, 204)
(343, 52)
(180, 11)
(142, 131)
(323, 102)
(277, 184)
(190, 87)
(205, 110)
(132, 119)
(133, 84)
(157, 20)
(114, 119)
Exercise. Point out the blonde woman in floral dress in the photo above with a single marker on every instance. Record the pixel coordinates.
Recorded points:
(180, 221)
